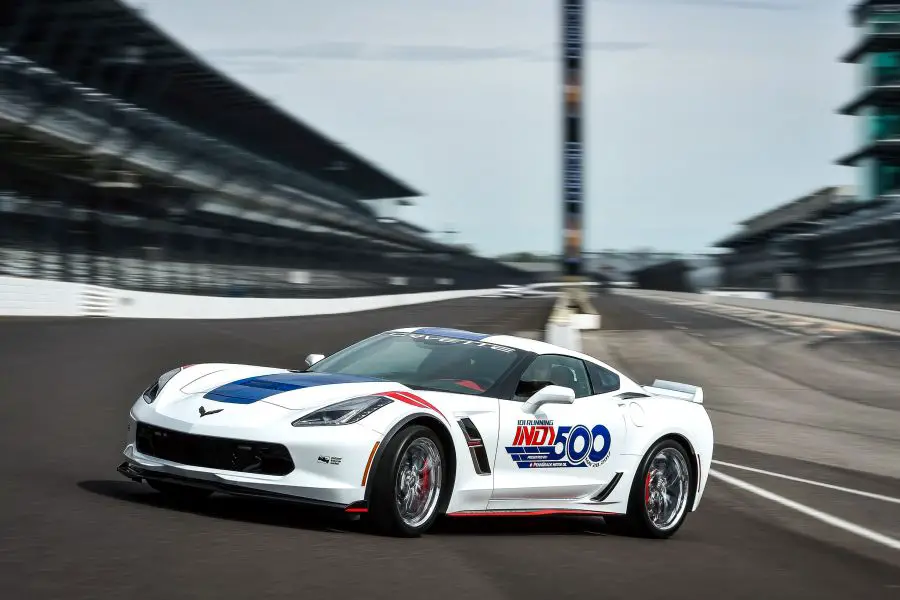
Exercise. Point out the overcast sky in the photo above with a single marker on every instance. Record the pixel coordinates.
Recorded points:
(700, 112)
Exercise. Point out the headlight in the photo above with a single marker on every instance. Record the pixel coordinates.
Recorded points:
(343, 413)
(153, 391)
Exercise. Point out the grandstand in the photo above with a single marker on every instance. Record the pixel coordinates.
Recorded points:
(129, 162)
(619, 266)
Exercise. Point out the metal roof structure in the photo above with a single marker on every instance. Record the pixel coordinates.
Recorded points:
(791, 214)
(112, 47)
(866, 8)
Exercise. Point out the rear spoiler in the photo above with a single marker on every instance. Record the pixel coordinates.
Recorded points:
(671, 389)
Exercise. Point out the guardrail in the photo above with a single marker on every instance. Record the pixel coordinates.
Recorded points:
(857, 315)
(42, 298)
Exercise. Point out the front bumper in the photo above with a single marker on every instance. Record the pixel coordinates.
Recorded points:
(140, 474)
(330, 467)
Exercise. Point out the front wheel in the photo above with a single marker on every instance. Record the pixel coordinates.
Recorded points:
(408, 483)
(660, 493)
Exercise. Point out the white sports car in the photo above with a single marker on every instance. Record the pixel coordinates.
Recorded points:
(413, 423)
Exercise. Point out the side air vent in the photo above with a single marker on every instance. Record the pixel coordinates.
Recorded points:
(632, 395)
(699, 473)
(476, 446)
(605, 492)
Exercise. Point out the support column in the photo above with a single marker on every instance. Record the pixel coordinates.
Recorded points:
(573, 143)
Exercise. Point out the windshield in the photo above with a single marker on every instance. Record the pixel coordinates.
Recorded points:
(426, 362)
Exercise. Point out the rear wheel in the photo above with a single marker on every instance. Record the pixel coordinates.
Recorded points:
(660, 494)
(182, 494)
(408, 483)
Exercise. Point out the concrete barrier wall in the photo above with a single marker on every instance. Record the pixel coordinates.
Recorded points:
(30, 297)
(564, 325)
(736, 294)
(39, 298)
(858, 315)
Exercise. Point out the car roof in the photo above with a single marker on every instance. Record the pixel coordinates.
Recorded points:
(511, 341)
(519, 343)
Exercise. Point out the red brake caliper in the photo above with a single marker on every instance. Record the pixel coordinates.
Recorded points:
(647, 487)
(425, 478)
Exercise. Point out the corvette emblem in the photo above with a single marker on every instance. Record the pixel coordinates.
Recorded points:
(204, 412)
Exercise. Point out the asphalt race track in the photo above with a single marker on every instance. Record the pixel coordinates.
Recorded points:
(72, 528)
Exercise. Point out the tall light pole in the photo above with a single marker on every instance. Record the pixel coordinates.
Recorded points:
(573, 13)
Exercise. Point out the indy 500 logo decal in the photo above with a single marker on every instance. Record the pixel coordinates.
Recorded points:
(541, 444)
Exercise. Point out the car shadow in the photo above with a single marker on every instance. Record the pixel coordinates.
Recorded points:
(519, 526)
(286, 514)
(231, 508)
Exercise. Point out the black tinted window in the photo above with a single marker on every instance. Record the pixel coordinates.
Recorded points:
(602, 380)
(554, 369)
(424, 361)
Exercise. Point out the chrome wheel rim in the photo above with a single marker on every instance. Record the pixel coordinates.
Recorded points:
(418, 485)
(666, 488)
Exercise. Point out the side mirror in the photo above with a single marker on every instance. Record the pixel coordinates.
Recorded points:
(552, 394)
(313, 359)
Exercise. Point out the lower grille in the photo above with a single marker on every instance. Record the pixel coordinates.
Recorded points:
(213, 452)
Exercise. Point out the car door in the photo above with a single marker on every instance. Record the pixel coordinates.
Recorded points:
(562, 451)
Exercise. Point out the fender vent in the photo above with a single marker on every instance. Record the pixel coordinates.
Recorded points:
(476, 446)
(699, 473)
(605, 492)
(632, 395)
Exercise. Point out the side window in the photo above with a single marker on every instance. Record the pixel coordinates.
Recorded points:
(603, 380)
(553, 369)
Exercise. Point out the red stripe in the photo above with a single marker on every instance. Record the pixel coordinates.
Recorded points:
(408, 398)
(357, 510)
(400, 397)
(423, 402)
(413, 400)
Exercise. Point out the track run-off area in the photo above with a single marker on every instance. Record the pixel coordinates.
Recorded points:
(808, 467)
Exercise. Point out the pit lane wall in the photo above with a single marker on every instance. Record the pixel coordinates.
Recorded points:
(23, 297)
(572, 314)
(856, 315)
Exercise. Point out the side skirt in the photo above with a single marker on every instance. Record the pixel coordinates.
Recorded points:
(530, 513)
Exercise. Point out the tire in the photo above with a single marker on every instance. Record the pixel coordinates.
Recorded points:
(644, 517)
(413, 460)
(180, 494)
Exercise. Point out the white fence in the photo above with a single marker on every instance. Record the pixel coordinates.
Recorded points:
(36, 298)
(162, 275)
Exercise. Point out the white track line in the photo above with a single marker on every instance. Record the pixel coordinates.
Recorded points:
(750, 322)
(847, 526)
(810, 482)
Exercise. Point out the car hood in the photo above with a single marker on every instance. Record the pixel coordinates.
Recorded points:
(249, 396)
(245, 387)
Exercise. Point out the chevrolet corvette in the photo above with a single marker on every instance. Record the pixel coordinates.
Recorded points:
(416, 423)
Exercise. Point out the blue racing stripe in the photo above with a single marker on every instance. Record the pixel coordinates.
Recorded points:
(254, 389)
(453, 333)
